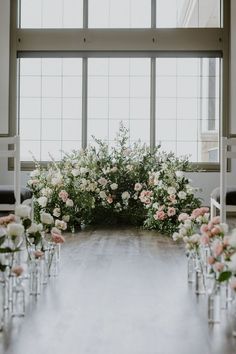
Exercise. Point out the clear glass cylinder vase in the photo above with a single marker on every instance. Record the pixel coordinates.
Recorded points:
(233, 316)
(35, 276)
(191, 264)
(214, 304)
(18, 297)
(200, 287)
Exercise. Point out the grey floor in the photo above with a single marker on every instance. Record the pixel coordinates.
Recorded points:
(119, 292)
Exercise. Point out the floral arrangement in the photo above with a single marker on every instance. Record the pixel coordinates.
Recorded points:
(119, 184)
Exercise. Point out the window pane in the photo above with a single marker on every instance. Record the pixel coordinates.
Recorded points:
(187, 107)
(51, 13)
(50, 106)
(119, 13)
(119, 92)
(188, 13)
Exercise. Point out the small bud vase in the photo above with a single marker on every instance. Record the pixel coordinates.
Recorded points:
(213, 303)
(200, 288)
(190, 266)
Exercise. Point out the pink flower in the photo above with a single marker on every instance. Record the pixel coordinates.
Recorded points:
(183, 217)
(204, 239)
(210, 225)
(218, 266)
(217, 248)
(38, 254)
(145, 197)
(211, 260)
(4, 220)
(204, 228)
(171, 211)
(172, 197)
(226, 240)
(215, 220)
(160, 215)
(63, 195)
(57, 238)
(17, 270)
(216, 231)
(109, 199)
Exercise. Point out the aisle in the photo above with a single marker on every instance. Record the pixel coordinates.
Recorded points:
(120, 292)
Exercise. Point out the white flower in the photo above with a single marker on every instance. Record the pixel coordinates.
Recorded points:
(23, 211)
(56, 230)
(188, 224)
(75, 172)
(190, 189)
(60, 224)
(42, 201)
(182, 195)
(114, 169)
(179, 174)
(195, 238)
(164, 167)
(138, 187)
(56, 212)
(171, 190)
(125, 195)
(183, 231)
(15, 229)
(66, 218)
(224, 227)
(84, 170)
(33, 228)
(57, 180)
(155, 206)
(102, 181)
(69, 202)
(35, 173)
(114, 186)
(176, 236)
(46, 218)
(46, 192)
(102, 195)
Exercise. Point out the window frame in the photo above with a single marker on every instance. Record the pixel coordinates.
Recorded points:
(151, 42)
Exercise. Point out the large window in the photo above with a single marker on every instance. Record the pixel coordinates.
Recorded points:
(83, 66)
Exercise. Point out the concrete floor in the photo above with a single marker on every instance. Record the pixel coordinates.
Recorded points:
(119, 292)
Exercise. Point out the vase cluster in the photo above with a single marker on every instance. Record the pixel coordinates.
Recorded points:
(29, 256)
(211, 262)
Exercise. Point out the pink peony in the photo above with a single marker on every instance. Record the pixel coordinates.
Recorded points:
(217, 248)
(57, 238)
(216, 230)
(160, 215)
(218, 267)
(183, 217)
(171, 211)
(17, 270)
(145, 197)
(211, 260)
(63, 195)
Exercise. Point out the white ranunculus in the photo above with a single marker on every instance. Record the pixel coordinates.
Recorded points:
(102, 195)
(56, 212)
(23, 211)
(33, 228)
(42, 201)
(171, 190)
(75, 172)
(114, 186)
(46, 218)
(182, 195)
(125, 195)
(15, 229)
(137, 187)
(69, 202)
(179, 174)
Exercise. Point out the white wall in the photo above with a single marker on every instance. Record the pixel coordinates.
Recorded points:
(206, 181)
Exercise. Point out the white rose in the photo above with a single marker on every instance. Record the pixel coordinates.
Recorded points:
(75, 172)
(138, 187)
(114, 186)
(60, 224)
(46, 218)
(102, 181)
(42, 201)
(171, 190)
(23, 211)
(56, 212)
(179, 174)
(33, 228)
(125, 195)
(182, 195)
(15, 229)
(102, 195)
(46, 192)
(69, 202)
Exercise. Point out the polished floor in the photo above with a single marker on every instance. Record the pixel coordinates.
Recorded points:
(119, 292)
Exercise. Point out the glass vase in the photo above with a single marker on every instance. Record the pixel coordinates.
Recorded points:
(190, 266)
(214, 304)
(233, 316)
(200, 288)
(35, 276)
(18, 296)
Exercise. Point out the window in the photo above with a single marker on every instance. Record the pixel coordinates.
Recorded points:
(91, 64)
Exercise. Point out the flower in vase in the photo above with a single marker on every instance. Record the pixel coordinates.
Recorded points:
(60, 224)
(57, 238)
(17, 270)
(23, 211)
(56, 212)
(15, 229)
(46, 218)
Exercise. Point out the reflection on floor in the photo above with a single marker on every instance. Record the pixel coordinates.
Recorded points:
(120, 291)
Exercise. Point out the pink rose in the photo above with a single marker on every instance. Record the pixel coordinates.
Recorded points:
(218, 266)
(109, 199)
(63, 195)
(171, 211)
(57, 238)
(4, 220)
(204, 239)
(217, 248)
(17, 270)
(211, 260)
(160, 215)
(183, 217)
(215, 231)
